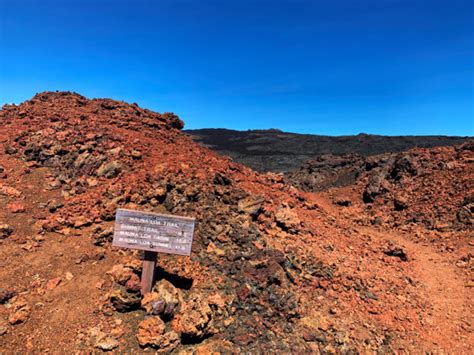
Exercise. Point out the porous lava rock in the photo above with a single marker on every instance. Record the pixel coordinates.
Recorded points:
(152, 332)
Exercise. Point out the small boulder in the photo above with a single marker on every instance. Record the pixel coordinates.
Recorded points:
(216, 300)
(110, 170)
(10, 150)
(163, 301)
(400, 203)
(251, 205)
(120, 273)
(20, 312)
(168, 292)
(343, 201)
(82, 221)
(16, 207)
(6, 295)
(152, 332)
(101, 340)
(395, 251)
(466, 214)
(107, 344)
(53, 283)
(287, 219)
(5, 231)
(133, 284)
(153, 304)
(9, 191)
(404, 165)
(124, 301)
(173, 120)
(195, 319)
(221, 179)
(136, 154)
(377, 185)
(3, 327)
(53, 205)
(102, 237)
(212, 248)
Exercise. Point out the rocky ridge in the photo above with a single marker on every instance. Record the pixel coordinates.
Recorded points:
(273, 268)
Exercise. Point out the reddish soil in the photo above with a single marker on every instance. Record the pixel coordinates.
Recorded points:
(273, 268)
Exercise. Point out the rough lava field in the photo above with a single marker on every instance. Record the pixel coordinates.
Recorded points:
(382, 262)
(278, 151)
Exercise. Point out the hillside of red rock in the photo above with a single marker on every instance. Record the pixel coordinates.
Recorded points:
(273, 268)
(429, 187)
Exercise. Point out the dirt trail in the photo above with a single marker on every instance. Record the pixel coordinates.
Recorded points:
(448, 317)
(444, 289)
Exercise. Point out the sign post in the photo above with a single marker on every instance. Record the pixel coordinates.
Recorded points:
(153, 233)
(148, 271)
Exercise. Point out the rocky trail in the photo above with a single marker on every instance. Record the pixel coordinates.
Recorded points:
(448, 292)
(274, 268)
(445, 291)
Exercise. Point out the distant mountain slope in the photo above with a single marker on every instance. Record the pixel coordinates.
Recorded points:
(273, 150)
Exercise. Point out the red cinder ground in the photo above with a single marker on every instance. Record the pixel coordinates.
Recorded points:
(273, 268)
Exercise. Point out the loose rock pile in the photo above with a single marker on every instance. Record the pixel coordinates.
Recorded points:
(98, 164)
(423, 187)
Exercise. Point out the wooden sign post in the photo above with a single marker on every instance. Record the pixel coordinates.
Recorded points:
(148, 271)
(153, 233)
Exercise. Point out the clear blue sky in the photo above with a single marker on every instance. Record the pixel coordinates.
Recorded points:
(322, 66)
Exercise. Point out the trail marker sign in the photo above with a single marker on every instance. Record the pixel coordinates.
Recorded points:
(153, 233)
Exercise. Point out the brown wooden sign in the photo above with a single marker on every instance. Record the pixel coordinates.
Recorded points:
(153, 232)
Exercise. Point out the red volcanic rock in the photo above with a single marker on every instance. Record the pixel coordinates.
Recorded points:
(16, 207)
(5, 231)
(9, 191)
(133, 284)
(195, 319)
(20, 311)
(152, 332)
(53, 283)
(120, 273)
